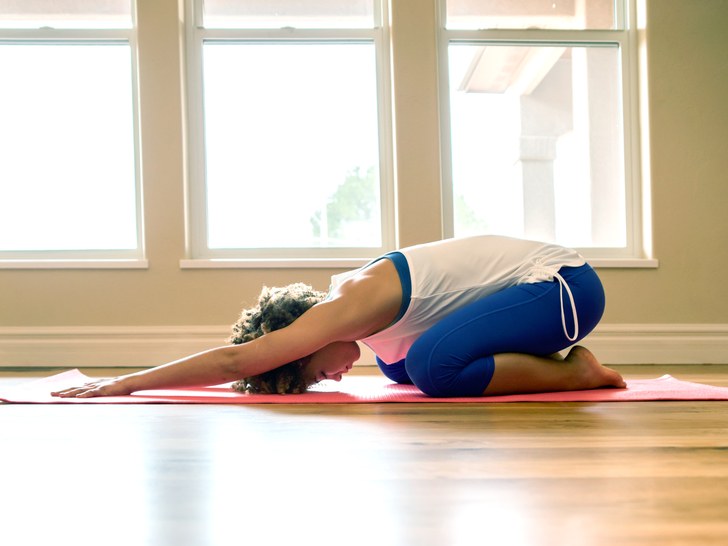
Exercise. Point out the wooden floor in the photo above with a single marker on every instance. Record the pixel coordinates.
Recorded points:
(391, 474)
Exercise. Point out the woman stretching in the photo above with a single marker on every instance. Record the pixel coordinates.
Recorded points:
(476, 316)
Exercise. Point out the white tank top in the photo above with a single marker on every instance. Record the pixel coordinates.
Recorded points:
(447, 275)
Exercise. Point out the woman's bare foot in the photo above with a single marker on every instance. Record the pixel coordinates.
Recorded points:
(522, 373)
(590, 373)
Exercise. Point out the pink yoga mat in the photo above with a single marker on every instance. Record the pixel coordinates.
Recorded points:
(354, 390)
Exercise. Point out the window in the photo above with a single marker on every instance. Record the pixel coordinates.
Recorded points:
(540, 128)
(69, 184)
(287, 130)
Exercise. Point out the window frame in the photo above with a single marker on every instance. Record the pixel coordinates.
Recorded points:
(94, 258)
(198, 254)
(626, 36)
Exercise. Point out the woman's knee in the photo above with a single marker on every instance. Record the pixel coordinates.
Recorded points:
(396, 372)
(442, 371)
(418, 365)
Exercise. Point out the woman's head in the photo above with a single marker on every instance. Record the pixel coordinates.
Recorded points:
(276, 309)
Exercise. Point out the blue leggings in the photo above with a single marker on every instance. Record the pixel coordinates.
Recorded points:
(455, 356)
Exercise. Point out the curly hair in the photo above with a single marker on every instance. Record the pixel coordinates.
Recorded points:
(276, 308)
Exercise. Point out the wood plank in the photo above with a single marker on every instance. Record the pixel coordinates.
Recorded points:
(635, 473)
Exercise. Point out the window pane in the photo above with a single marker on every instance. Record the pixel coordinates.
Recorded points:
(519, 14)
(291, 139)
(288, 13)
(65, 13)
(537, 144)
(67, 169)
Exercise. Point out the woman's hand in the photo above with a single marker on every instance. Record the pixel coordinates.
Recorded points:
(116, 386)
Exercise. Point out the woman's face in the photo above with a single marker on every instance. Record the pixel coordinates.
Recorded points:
(331, 362)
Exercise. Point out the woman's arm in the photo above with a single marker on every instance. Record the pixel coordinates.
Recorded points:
(211, 367)
(364, 305)
(319, 326)
(221, 364)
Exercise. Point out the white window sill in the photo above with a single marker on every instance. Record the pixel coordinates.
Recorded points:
(74, 264)
(269, 263)
(624, 263)
(352, 263)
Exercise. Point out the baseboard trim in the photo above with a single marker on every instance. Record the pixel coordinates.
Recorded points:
(660, 343)
(101, 346)
(142, 346)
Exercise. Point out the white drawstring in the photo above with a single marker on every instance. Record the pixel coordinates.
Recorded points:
(563, 284)
(540, 272)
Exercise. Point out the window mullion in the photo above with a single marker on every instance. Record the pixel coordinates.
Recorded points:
(632, 155)
(287, 34)
(196, 208)
(544, 37)
(50, 35)
(386, 167)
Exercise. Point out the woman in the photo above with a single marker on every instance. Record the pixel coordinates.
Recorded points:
(476, 316)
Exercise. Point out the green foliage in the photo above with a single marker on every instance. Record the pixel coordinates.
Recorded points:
(467, 221)
(355, 199)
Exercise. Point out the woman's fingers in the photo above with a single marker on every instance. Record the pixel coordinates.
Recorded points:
(77, 392)
(102, 387)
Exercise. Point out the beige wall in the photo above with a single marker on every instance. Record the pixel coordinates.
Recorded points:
(688, 85)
